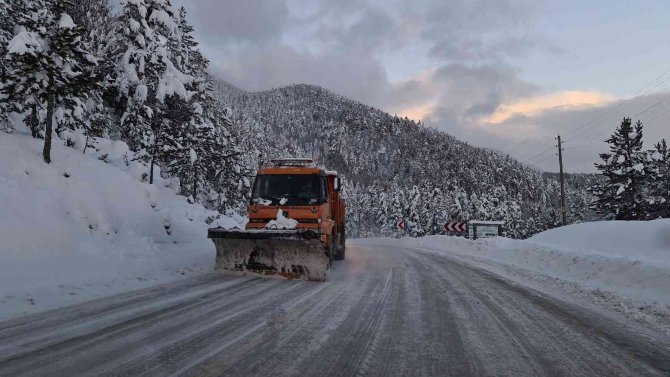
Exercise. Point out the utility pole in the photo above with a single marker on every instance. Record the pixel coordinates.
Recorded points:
(560, 162)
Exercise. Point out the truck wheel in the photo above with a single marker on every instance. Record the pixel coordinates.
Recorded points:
(341, 246)
(332, 251)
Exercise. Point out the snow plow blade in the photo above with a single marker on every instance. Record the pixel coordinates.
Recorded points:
(292, 254)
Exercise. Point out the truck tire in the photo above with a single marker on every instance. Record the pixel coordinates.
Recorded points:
(332, 251)
(341, 246)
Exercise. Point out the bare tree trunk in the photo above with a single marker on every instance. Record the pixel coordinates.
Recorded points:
(34, 122)
(49, 122)
(154, 151)
(151, 171)
(85, 144)
(195, 183)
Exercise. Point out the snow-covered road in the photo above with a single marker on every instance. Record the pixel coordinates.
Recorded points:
(384, 311)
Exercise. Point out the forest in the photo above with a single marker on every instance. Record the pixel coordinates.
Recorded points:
(76, 71)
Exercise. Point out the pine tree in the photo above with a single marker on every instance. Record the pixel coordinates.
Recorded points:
(414, 216)
(203, 156)
(133, 78)
(659, 186)
(151, 89)
(433, 210)
(622, 195)
(8, 9)
(99, 23)
(49, 68)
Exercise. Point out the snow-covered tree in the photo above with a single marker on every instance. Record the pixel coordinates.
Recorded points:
(204, 156)
(99, 23)
(49, 68)
(8, 9)
(622, 195)
(434, 212)
(659, 181)
(151, 89)
(414, 216)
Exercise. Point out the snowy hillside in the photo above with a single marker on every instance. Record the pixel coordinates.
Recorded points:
(623, 265)
(395, 168)
(86, 226)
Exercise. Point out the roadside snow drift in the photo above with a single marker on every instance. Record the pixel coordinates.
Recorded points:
(647, 241)
(86, 226)
(628, 258)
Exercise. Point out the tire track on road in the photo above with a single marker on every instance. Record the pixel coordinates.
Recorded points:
(80, 328)
(108, 305)
(267, 344)
(95, 349)
(542, 333)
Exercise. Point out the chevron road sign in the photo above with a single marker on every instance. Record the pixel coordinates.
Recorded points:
(456, 227)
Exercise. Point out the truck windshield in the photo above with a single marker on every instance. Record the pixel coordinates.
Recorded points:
(287, 189)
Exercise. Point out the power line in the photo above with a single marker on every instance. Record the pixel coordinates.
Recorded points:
(592, 140)
(598, 133)
(539, 154)
(591, 134)
(624, 104)
(651, 107)
(583, 145)
(536, 149)
(658, 116)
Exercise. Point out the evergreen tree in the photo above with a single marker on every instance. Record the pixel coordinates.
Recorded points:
(433, 212)
(8, 9)
(151, 89)
(659, 186)
(204, 158)
(99, 23)
(414, 218)
(49, 68)
(622, 195)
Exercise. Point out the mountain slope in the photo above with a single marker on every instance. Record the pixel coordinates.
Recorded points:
(396, 169)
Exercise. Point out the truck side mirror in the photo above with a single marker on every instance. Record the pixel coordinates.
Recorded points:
(337, 184)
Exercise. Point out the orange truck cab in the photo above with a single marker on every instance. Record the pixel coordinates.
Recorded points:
(304, 193)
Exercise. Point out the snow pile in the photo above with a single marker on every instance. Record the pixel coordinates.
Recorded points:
(648, 241)
(282, 222)
(86, 226)
(628, 258)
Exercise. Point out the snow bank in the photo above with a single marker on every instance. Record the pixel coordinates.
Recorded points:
(630, 259)
(86, 226)
(647, 241)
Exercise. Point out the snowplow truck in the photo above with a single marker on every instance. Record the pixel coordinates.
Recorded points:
(296, 224)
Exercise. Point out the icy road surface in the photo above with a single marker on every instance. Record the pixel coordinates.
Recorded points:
(384, 311)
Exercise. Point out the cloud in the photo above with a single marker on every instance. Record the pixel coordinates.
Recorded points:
(584, 130)
(343, 45)
(533, 106)
(363, 79)
(234, 22)
(491, 106)
(480, 30)
(464, 92)
(418, 112)
(458, 53)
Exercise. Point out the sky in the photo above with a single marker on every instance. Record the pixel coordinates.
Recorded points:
(501, 74)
